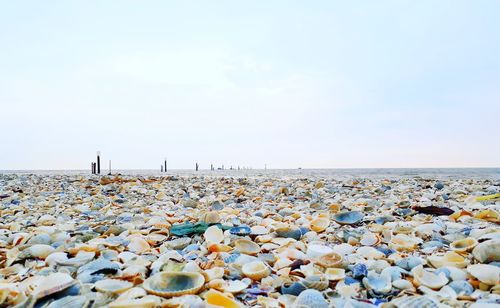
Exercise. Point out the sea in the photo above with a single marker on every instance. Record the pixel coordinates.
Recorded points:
(376, 173)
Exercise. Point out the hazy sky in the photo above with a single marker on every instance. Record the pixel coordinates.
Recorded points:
(287, 83)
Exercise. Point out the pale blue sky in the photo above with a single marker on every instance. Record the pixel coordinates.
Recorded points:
(282, 83)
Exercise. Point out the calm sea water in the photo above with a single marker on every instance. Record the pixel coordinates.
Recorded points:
(435, 173)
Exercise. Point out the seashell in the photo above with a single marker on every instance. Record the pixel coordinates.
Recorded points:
(144, 302)
(259, 230)
(240, 230)
(255, 270)
(331, 259)
(487, 251)
(40, 251)
(55, 257)
(138, 245)
(450, 258)
(156, 239)
(219, 299)
(343, 249)
(247, 247)
(348, 218)
(211, 218)
(214, 235)
(409, 263)
(379, 284)
(40, 239)
(320, 224)
(184, 301)
(463, 245)
(314, 251)
(214, 273)
(487, 274)
(414, 302)
(315, 282)
(335, 274)
(402, 284)
(293, 289)
(178, 243)
(310, 298)
(359, 270)
(75, 301)
(289, 232)
(370, 253)
(114, 286)
(99, 266)
(169, 284)
(429, 279)
(488, 215)
(370, 239)
(402, 242)
(53, 283)
(394, 272)
(236, 286)
(461, 287)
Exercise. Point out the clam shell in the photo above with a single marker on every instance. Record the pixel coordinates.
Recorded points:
(289, 232)
(370, 239)
(114, 286)
(144, 302)
(402, 242)
(487, 274)
(314, 251)
(335, 274)
(247, 247)
(348, 218)
(414, 302)
(319, 224)
(377, 283)
(40, 251)
(310, 298)
(219, 299)
(429, 279)
(53, 283)
(211, 217)
(138, 245)
(488, 251)
(99, 266)
(293, 289)
(319, 283)
(77, 301)
(255, 270)
(450, 258)
(236, 286)
(214, 235)
(240, 230)
(331, 259)
(462, 245)
(169, 284)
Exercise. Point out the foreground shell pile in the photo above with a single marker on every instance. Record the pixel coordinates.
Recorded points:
(88, 241)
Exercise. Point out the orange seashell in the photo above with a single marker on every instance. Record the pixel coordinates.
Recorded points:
(220, 299)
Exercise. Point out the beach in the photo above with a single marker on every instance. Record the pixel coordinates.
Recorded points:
(263, 238)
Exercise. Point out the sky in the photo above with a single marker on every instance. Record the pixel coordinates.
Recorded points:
(311, 84)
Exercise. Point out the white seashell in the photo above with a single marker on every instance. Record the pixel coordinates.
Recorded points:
(426, 278)
(315, 251)
(487, 274)
(370, 253)
(214, 235)
(403, 284)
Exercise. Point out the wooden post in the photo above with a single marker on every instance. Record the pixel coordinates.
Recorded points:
(161, 169)
(92, 167)
(211, 167)
(109, 167)
(165, 164)
(98, 162)
(196, 166)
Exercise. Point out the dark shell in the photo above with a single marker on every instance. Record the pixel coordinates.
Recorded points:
(240, 230)
(293, 289)
(434, 210)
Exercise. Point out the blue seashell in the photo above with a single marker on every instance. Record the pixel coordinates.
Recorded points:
(359, 270)
(348, 218)
(409, 263)
(240, 230)
(289, 232)
(189, 248)
(349, 280)
(439, 186)
(433, 244)
(232, 258)
(443, 270)
(385, 250)
(293, 289)
(304, 230)
(310, 298)
(495, 263)
(462, 287)
(394, 272)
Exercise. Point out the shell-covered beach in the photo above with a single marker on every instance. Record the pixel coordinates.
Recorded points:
(233, 241)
